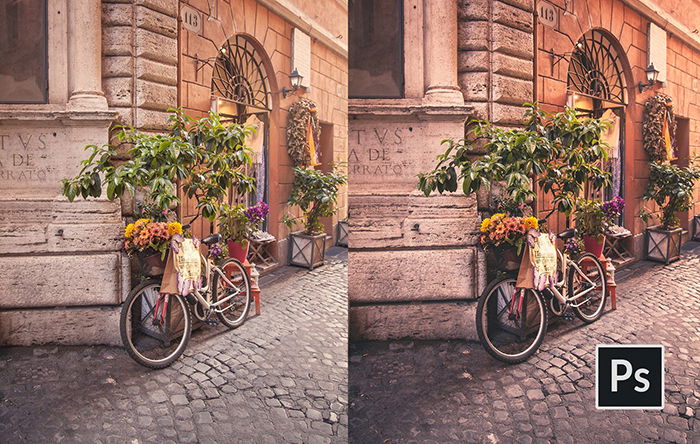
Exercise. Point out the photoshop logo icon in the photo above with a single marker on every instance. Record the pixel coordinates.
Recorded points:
(629, 377)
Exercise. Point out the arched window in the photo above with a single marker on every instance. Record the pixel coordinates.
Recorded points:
(595, 70)
(240, 77)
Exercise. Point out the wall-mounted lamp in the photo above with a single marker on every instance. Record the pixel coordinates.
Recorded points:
(651, 74)
(295, 80)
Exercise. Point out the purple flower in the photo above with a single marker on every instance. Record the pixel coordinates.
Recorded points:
(257, 213)
(613, 207)
(215, 250)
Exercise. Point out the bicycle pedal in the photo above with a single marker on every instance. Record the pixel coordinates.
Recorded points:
(568, 317)
(212, 322)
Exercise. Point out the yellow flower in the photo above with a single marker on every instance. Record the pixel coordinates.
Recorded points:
(174, 228)
(531, 222)
(485, 224)
(129, 230)
(143, 222)
(498, 216)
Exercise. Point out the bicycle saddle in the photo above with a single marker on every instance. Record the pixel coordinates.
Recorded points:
(209, 240)
(567, 234)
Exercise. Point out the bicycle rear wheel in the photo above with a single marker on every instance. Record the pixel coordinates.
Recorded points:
(588, 306)
(508, 335)
(234, 285)
(154, 341)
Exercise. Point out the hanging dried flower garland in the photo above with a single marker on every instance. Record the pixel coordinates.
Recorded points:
(659, 128)
(302, 114)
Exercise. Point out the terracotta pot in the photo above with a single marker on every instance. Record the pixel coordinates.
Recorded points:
(594, 245)
(238, 250)
(152, 264)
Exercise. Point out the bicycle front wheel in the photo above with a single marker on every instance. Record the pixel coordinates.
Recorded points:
(587, 287)
(232, 285)
(155, 329)
(507, 333)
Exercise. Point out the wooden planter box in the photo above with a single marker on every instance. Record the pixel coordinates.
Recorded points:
(342, 234)
(696, 228)
(663, 245)
(307, 250)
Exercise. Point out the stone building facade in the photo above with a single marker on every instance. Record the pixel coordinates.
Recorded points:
(127, 62)
(415, 266)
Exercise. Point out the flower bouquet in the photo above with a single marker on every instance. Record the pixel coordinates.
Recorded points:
(503, 238)
(150, 241)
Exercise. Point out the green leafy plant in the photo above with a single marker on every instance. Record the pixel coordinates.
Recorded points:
(237, 223)
(204, 156)
(234, 224)
(590, 218)
(562, 151)
(316, 194)
(671, 187)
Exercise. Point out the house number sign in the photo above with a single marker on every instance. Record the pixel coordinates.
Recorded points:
(548, 14)
(191, 19)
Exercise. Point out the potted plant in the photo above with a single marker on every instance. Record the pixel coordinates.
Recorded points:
(237, 223)
(593, 218)
(205, 157)
(503, 238)
(315, 193)
(671, 188)
(560, 151)
(342, 234)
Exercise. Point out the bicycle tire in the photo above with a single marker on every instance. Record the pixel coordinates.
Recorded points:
(488, 344)
(241, 273)
(599, 311)
(127, 338)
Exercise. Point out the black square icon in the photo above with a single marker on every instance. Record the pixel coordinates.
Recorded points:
(629, 377)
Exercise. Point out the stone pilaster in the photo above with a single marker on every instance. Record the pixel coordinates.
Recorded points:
(84, 55)
(440, 40)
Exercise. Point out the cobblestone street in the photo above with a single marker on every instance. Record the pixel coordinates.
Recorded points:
(281, 377)
(436, 392)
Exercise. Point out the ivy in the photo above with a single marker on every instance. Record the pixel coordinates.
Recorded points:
(300, 114)
(657, 109)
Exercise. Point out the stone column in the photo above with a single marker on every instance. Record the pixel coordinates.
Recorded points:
(85, 55)
(440, 58)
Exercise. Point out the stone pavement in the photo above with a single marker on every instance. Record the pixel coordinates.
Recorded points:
(437, 392)
(281, 377)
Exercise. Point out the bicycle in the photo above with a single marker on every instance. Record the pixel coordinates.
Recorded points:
(156, 328)
(511, 323)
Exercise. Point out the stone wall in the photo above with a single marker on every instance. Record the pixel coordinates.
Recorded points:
(139, 41)
(496, 57)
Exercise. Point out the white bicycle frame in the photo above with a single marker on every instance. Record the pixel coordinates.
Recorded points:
(206, 289)
(565, 262)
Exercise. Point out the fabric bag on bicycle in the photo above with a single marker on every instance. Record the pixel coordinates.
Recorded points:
(538, 269)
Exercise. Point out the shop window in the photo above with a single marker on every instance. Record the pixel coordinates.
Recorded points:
(376, 49)
(23, 43)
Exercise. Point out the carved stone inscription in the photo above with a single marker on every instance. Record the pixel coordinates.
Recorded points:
(386, 155)
(375, 151)
(25, 157)
(34, 158)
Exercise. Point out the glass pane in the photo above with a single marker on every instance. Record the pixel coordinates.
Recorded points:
(23, 38)
(376, 48)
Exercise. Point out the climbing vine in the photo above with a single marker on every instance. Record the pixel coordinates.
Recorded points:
(301, 113)
(658, 109)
